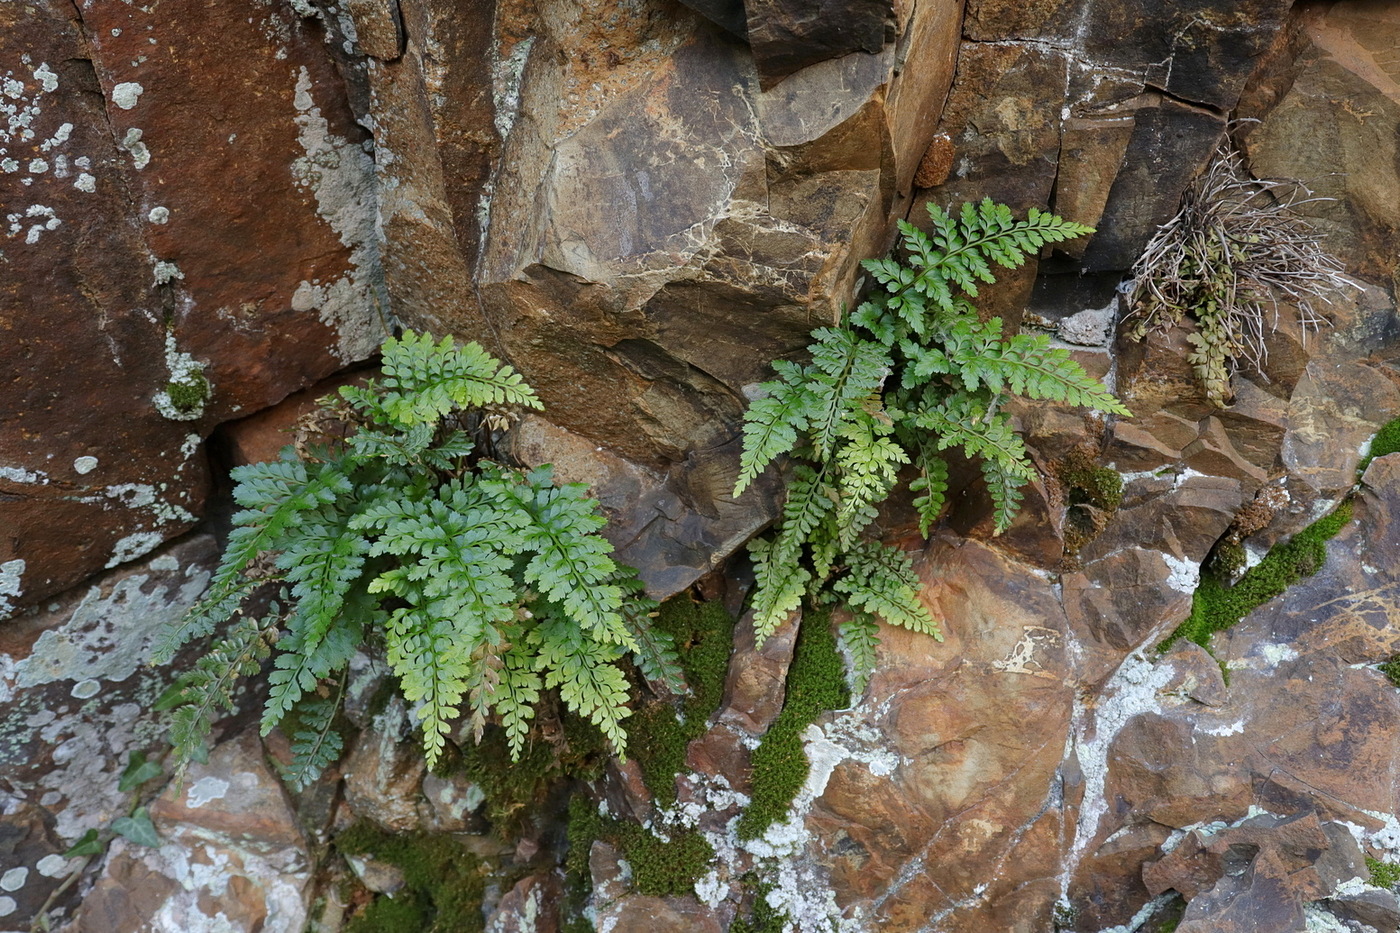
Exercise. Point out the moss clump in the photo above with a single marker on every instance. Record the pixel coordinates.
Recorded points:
(1391, 670)
(1216, 606)
(816, 682)
(703, 634)
(443, 883)
(515, 791)
(1386, 441)
(1383, 874)
(1092, 492)
(764, 917)
(660, 868)
(189, 394)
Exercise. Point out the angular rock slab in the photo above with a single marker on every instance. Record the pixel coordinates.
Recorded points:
(188, 234)
(1306, 723)
(232, 856)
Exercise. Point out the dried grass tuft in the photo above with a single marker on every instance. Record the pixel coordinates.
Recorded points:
(1233, 258)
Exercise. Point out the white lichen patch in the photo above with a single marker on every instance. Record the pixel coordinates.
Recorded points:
(10, 589)
(1185, 574)
(97, 654)
(206, 789)
(186, 373)
(163, 273)
(1133, 690)
(84, 465)
(52, 866)
(340, 174)
(137, 544)
(127, 94)
(14, 879)
(159, 215)
(85, 689)
(86, 183)
(139, 151)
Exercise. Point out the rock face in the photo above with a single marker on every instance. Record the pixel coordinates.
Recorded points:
(640, 204)
(193, 226)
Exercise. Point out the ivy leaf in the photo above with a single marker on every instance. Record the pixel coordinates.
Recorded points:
(138, 771)
(138, 828)
(88, 844)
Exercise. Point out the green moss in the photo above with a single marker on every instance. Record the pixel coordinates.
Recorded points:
(1087, 484)
(1391, 670)
(660, 868)
(1386, 441)
(515, 791)
(663, 869)
(443, 883)
(657, 736)
(1383, 874)
(1216, 606)
(816, 682)
(764, 917)
(1229, 559)
(189, 394)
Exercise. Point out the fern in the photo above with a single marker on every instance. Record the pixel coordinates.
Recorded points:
(910, 373)
(485, 585)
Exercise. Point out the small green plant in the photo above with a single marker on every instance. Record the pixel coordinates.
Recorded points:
(1383, 874)
(484, 585)
(444, 883)
(1235, 252)
(816, 683)
(658, 734)
(911, 373)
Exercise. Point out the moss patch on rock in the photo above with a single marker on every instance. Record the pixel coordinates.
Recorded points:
(1092, 494)
(1217, 606)
(816, 683)
(516, 791)
(444, 883)
(1383, 874)
(1386, 441)
(657, 734)
(660, 867)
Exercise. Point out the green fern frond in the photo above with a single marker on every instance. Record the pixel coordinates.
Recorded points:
(860, 637)
(845, 370)
(656, 655)
(950, 374)
(316, 744)
(488, 586)
(589, 683)
(932, 483)
(275, 496)
(427, 380)
(780, 583)
(881, 581)
(774, 421)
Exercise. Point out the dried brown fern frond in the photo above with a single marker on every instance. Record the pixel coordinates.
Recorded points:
(1231, 259)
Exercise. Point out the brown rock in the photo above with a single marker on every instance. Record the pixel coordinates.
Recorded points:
(232, 849)
(531, 906)
(789, 35)
(1342, 95)
(757, 681)
(672, 529)
(193, 219)
(384, 772)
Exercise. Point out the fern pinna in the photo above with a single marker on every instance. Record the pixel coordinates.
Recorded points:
(911, 373)
(486, 585)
